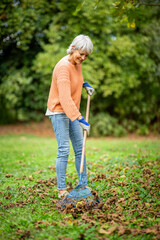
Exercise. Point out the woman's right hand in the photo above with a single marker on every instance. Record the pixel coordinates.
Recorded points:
(85, 125)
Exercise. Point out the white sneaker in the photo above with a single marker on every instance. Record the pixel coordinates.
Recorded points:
(62, 195)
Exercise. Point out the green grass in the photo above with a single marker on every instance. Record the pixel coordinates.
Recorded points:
(129, 188)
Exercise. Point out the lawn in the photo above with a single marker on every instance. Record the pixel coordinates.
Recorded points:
(124, 172)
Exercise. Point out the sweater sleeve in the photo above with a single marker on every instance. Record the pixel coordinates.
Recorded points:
(64, 89)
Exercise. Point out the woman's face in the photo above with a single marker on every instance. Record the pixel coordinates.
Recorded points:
(78, 56)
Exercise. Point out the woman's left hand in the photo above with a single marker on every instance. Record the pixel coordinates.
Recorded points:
(85, 125)
(90, 90)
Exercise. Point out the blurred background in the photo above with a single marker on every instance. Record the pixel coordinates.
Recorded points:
(124, 67)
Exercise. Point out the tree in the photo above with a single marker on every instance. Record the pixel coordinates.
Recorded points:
(128, 11)
(23, 25)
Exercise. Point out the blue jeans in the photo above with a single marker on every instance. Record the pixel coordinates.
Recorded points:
(64, 130)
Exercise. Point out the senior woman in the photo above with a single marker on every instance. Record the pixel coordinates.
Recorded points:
(63, 108)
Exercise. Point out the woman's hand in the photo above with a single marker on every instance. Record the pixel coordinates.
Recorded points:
(90, 90)
(85, 125)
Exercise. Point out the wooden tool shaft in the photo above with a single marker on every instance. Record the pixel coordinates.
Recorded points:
(85, 135)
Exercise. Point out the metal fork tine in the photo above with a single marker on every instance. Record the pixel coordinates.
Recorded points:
(88, 200)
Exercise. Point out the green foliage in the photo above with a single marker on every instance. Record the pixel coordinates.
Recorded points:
(123, 68)
(142, 130)
(15, 86)
(128, 11)
(130, 125)
(23, 25)
(105, 125)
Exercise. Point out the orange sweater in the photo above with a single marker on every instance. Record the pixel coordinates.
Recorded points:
(66, 88)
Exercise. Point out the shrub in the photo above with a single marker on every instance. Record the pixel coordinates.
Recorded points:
(105, 125)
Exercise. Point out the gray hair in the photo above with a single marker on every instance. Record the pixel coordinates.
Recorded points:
(81, 42)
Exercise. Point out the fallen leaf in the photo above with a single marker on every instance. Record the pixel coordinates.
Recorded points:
(109, 231)
(123, 176)
(9, 175)
(121, 230)
(102, 231)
